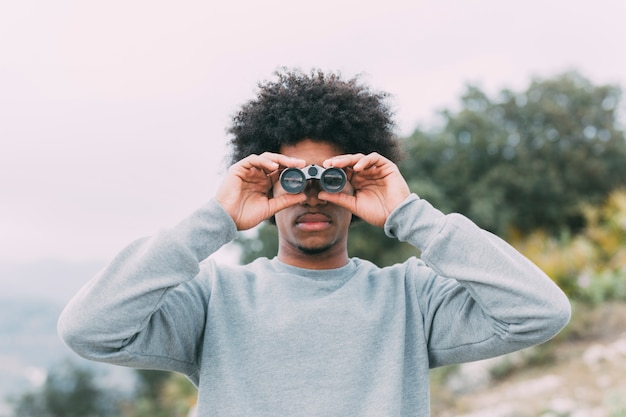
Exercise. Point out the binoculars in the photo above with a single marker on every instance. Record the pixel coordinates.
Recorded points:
(293, 180)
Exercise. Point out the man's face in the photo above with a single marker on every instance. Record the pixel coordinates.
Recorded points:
(314, 226)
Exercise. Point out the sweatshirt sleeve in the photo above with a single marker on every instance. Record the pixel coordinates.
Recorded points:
(482, 298)
(145, 307)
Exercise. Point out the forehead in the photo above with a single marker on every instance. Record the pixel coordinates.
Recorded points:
(311, 151)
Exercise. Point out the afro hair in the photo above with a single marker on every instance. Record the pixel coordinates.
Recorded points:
(317, 106)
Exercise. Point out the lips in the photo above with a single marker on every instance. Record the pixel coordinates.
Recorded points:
(313, 221)
(312, 218)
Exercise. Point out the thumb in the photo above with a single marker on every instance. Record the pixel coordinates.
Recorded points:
(342, 200)
(282, 202)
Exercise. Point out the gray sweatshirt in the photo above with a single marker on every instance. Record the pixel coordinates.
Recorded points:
(269, 339)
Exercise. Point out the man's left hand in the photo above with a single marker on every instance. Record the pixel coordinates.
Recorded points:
(378, 186)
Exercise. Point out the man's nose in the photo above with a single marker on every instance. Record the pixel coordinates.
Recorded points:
(311, 191)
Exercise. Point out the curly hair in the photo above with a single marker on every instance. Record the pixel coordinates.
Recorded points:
(316, 106)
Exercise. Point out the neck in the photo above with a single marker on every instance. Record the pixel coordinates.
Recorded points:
(308, 260)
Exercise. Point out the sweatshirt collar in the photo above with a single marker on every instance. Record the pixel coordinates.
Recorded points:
(315, 274)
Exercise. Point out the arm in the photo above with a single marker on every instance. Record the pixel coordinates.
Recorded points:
(484, 298)
(147, 307)
(146, 304)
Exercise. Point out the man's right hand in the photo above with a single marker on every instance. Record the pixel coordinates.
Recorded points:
(246, 192)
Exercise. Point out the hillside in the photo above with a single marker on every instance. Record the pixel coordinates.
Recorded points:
(581, 374)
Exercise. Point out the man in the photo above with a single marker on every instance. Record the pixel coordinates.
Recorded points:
(313, 332)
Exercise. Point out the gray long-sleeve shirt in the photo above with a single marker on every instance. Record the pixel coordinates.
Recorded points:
(269, 339)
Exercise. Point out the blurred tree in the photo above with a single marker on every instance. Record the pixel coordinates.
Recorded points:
(525, 161)
(73, 391)
(69, 391)
(263, 243)
(606, 229)
(529, 160)
(150, 383)
(160, 394)
(589, 266)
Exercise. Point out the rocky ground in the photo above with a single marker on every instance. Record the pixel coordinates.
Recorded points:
(582, 374)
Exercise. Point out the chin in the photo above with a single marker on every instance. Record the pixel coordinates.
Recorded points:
(315, 250)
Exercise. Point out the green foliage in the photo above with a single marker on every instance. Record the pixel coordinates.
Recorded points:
(589, 266)
(527, 160)
(371, 243)
(160, 394)
(74, 391)
(263, 244)
(604, 286)
(607, 230)
(150, 383)
(565, 258)
(69, 391)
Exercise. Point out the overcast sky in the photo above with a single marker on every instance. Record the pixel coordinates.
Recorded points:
(113, 113)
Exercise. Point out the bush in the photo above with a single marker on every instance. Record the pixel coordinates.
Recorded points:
(590, 266)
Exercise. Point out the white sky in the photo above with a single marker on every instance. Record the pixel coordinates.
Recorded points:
(113, 114)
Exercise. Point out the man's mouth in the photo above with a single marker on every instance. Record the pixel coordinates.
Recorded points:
(311, 222)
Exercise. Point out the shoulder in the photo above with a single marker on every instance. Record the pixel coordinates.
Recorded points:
(212, 270)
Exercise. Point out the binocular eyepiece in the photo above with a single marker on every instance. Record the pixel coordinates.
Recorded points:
(293, 180)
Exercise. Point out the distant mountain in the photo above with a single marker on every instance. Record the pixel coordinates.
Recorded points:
(28, 344)
(32, 296)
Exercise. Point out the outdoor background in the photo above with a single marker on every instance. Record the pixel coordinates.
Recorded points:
(112, 126)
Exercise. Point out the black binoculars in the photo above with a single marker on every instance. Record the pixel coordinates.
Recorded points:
(293, 180)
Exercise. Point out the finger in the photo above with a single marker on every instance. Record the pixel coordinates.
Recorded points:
(284, 160)
(282, 202)
(255, 162)
(358, 161)
(269, 162)
(342, 161)
(371, 160)
(343, 200)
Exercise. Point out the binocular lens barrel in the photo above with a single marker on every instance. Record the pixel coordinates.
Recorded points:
(293, 180)
(333, 180)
